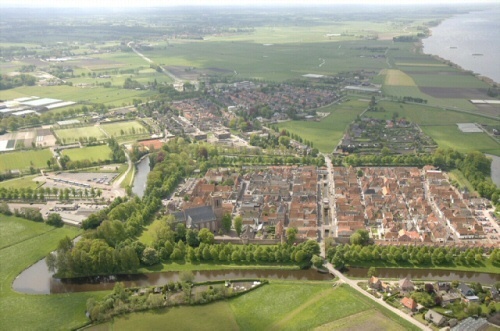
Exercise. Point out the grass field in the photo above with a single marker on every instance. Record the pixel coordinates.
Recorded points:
(288, 306)
(327, 133)
(108, 96)
(441, 125)
(129, 128)
(23, 243)
(92, 153)
(25, 182)
(68, 136)
(23, 160)
(398, 78)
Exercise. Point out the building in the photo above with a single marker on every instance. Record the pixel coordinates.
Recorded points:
(434, 317)
(409, 303)
(406, 285)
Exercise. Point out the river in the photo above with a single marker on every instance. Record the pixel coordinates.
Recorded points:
(428, 274)
(470, 40)
(141, 177)
(38, 280)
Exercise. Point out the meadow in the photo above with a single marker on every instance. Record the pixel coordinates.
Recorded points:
(326, 134)
(69, 136)
(91, 153)
(23, 160)
(23, 243)
(288, 306)
(25, 182)
(129, 128)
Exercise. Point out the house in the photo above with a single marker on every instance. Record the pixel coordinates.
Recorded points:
(495, 294)
(406, 285)
(409, 303)
(435, 317)
(467, 293)
(375, 283)
(449, 298)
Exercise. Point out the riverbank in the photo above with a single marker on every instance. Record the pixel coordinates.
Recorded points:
(484, 267)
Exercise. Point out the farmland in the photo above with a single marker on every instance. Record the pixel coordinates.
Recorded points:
(130, 129)
(91, 153)
(69, 136)
(327, 133)
(23, 243)
(289, 306)
(23, 160)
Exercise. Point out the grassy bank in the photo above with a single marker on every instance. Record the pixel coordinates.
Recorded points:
(186, 266)
(23, 243)
(282, 305)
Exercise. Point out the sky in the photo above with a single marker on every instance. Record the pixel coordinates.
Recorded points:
(163, 3)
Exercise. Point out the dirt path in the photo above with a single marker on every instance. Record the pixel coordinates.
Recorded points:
(282, 323)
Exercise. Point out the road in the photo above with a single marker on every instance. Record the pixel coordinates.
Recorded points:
(355, 286)
(116, 189)
(166, 72)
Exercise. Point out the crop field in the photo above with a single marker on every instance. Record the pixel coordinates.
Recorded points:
(69, 136)
(288, 306)
(23, 160)
(23, 243)
(327, 133)
(108, 96)
(398, 78)
(369, 320)
(452, 137)
(91, 153)
(129, 128)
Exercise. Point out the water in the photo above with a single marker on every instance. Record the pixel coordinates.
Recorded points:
(37, 279)
(423, 274)
(141, 177)
(458, 38)
(495, 169)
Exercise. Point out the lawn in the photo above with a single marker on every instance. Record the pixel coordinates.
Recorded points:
(21, 182)
(278, 306)
(327, 133)
(216, 316)
(69, 136)
(129, 128)
(92, 153)
(23, 160)
(46, 312)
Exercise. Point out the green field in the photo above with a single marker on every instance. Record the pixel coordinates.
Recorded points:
(23, 160)
(92, 153)
(118, 129)
(23, 243)
(108, 96)
(288, 306)
(441, 125)
(25, 182)
(68, 136)
(327, 133)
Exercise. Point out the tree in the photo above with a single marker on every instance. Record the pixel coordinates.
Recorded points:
(226, 223)
(317, 261)
(291, 235)
(150, 256)
(238, 224)
(360, 237)
(55, 220)
(372, 272)
(205, 236)
(192, 237)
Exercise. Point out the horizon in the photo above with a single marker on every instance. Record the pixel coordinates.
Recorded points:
(115, 4)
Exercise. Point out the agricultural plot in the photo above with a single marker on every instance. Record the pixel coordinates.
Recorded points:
(328, 132)
(23, 243)
(69, 136)
(23, 160)
(398, 78)
(92, 153)
(118, 129)
(288, 306)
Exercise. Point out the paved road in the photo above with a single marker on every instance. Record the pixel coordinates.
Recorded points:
(355, 286)
(166, 72)
(116, 189)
